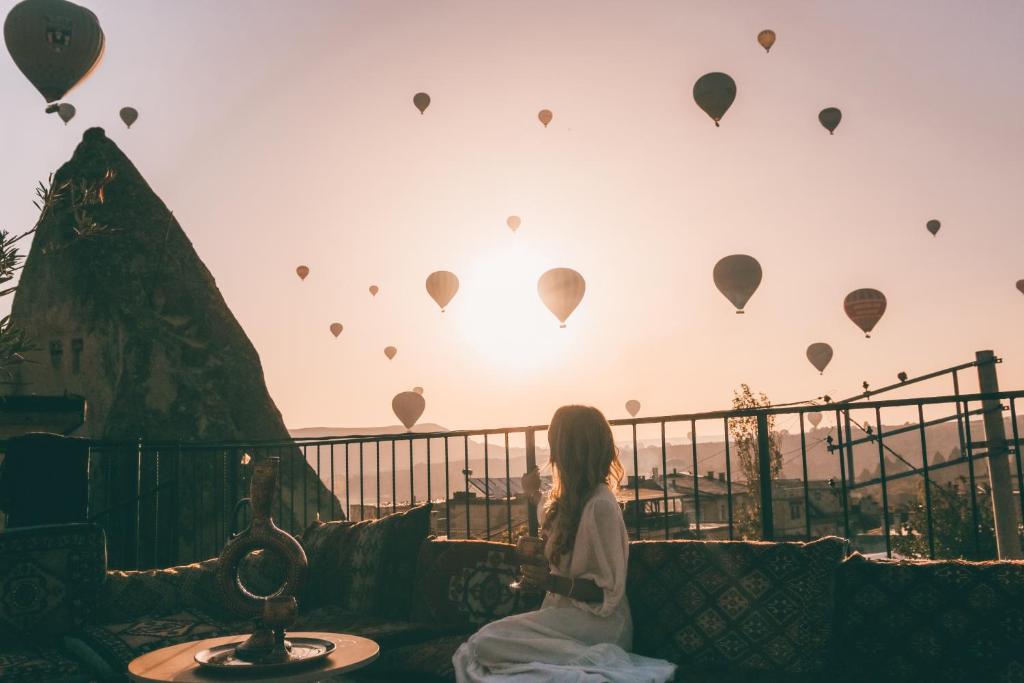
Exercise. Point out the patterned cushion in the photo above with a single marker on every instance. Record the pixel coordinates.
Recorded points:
(734, 606)
(28, 661)
(367, 567)
(131, 595)
(119, 644)
(936, 621)
(49, 577)
(462, 585)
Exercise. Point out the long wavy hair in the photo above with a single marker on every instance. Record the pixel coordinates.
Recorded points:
(583, 457)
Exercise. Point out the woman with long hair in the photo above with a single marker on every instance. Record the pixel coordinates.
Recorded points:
(583, 631)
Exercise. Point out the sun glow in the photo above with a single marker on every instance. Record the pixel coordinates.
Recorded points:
(507, 326)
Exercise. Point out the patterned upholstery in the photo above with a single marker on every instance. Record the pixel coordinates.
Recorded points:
(735, 606)
(936, 621)
(366, 567)
(130, 595)
(117, 644)
(387, 633)
(49, 577)
(426, 662)
(28, 661)
(462, 585)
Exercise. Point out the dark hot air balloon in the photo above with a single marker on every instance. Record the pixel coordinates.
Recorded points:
(820, 355)
(336, 329)
(933, 226)
(766, 38)
(1020, 286)
(561, 290)
(374, 289)
(442, 287)
(865, 308)
(422, 101)
(129, 115)
(390, 352)
(830, 118)
(632, 407)
(545, 116)
(55, 43)
(738, 277)
(715, 93)
(302, 272)
(408, 407)
(66, 112)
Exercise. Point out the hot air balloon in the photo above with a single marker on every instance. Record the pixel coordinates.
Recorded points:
(55, 43)
(545, 116)
(814, 419)
(714, 93)
(820, 355)
(738, 277)
(933, 226)
(129, 115)
(1020, 286)
(302, 272)
(66, 112)
(390, 352)
(374, 289)
(418, 390)
(561, 290)
(336, 329)
(830, 118)
(632, 407)
(766, 38)
(408, 407)
(514, 222)
(422, 101)
(442, 286)
(865, 308)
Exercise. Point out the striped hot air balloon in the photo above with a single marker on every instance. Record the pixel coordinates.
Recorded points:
(865, 308)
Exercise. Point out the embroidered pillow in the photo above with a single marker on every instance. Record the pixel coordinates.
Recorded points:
(49, 577)
(735, 606)
(366, 567)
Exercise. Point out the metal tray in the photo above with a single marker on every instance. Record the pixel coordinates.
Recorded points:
(305, 651)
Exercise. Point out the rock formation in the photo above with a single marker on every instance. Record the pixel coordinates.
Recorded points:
(123, 312)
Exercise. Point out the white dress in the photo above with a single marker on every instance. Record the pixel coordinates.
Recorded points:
(567, 641)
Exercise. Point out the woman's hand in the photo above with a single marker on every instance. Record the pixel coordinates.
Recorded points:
(536, 575)
(531, 484)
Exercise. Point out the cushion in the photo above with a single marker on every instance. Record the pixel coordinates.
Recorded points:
(117, 644)
(49, 577)
(367, 567)
(131, 595)
(387, 633)
(937, 621)
(462, 585)
(31, 661)
(426, 662)
(735, 606)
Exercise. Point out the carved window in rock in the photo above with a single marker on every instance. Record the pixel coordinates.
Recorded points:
(56, 353)
(76, 355)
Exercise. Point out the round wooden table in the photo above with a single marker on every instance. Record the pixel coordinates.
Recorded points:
(177, 662)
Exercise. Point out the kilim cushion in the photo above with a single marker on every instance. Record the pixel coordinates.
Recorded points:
(734, 606)
(31, 661)
(367, 567)
(933, 621)
(462, 585)
(49, 577)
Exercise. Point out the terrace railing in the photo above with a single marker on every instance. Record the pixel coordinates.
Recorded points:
(168, 503)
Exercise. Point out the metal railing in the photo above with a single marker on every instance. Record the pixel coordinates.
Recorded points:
(169, 503)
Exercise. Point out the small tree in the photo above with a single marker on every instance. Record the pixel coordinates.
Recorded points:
(952, 522)
(743, 434)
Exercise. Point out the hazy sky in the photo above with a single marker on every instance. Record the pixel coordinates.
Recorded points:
(283, 133)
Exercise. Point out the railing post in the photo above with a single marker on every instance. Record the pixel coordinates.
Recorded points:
(1004, 511)
(764, 468)
(531, 463)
